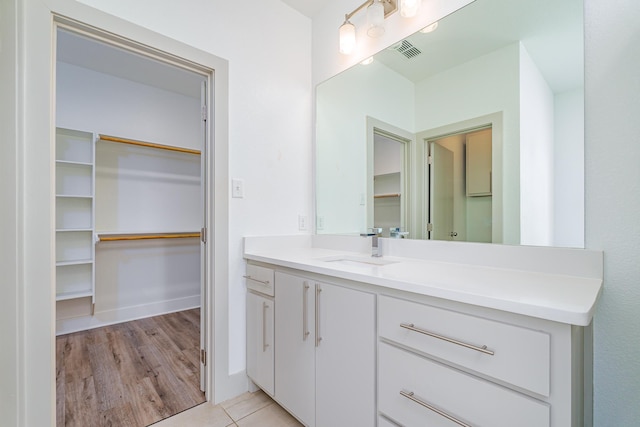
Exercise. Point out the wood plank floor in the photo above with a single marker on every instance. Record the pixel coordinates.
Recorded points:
(131, 374)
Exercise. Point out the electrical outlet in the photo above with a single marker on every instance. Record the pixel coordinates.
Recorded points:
(362, 199)
(302, 222)
(320, 222)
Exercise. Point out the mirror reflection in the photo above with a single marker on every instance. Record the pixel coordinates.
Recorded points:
(472, 132)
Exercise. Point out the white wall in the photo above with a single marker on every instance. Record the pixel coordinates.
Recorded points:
(612, 202)
(568, 203)
(452, 97)
(97, 102)
(268, 47)
(343, 106)
(536, 155)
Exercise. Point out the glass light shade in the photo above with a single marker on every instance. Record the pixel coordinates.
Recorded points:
(347, 38)
(367, 61)
(409, 8)
(375, 19)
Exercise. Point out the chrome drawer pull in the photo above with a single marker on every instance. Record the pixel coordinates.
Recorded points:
(318, 333)
(305, 320)
(264, 282)
(409, 395)
(482, 349)
(264, 327)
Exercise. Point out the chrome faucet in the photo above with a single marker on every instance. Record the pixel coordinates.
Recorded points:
(374, 233)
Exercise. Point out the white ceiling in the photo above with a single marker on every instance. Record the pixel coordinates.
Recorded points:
(84, 52)
(307, 7)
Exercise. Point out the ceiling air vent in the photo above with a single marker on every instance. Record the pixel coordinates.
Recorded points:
(407, 49)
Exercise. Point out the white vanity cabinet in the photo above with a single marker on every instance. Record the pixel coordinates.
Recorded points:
(443, 367)
(260, 327)
(325, 352)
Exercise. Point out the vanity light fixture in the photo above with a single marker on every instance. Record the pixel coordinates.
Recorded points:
(429, 28)
(377, 12)
(347, 37)
(375, 19)
(409, 8)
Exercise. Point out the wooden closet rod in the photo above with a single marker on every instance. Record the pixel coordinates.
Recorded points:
(116, 237)
(384, 196)
(148, 144)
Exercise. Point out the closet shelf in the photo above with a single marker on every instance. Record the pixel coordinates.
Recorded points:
(73, 295)
(112, 237)
(109, 138)
(387, 195)
(73, 163)
(74, 262)
(74, 196)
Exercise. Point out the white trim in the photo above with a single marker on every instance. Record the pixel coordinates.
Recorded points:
(493, 120)
(408, 140)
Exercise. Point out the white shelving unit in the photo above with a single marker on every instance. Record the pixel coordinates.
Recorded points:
(75, 214)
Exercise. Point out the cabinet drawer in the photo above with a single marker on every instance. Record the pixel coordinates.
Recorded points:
(260, 279)
(520, 356)
(460, 396)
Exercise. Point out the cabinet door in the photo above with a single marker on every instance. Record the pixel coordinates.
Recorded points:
(345, 357)
(479, 163)
(295, 346)
(260, 344)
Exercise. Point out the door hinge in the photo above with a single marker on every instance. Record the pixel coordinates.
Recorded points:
(203, 234)
(429, 227)
(429, 160)
(203, 357)
(204, 113)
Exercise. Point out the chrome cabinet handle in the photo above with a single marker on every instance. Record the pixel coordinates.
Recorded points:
(318, 337)
(409, 395)
(482, 349)
(265, 306)
(305, 319)
(264, 282)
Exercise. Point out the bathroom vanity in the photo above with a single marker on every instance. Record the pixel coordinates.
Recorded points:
(431, 333)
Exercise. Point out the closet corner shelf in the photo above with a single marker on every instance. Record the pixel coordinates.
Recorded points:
(73, 295)
(110, 138)
(112, 237)
(73, 163)
(74, 262)
(74, 196)
(388, 195)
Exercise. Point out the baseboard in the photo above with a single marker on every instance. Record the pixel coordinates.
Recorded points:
(126, 314)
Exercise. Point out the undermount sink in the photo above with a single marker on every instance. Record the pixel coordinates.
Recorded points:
(350, 260)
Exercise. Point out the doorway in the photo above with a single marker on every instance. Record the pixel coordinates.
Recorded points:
(388, 179)
(131, 209)
(460, 186)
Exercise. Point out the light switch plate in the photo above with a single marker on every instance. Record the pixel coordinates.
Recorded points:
(237, 188)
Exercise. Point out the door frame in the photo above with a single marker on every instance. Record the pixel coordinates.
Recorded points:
(495, 121)
(375, 126)
(114, 41)
(35, 175)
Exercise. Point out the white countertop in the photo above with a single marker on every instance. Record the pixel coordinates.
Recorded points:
(556, 297)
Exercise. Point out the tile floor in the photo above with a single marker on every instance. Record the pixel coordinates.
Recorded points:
(247, 410)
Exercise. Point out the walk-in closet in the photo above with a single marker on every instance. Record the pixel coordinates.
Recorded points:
(130, 208)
